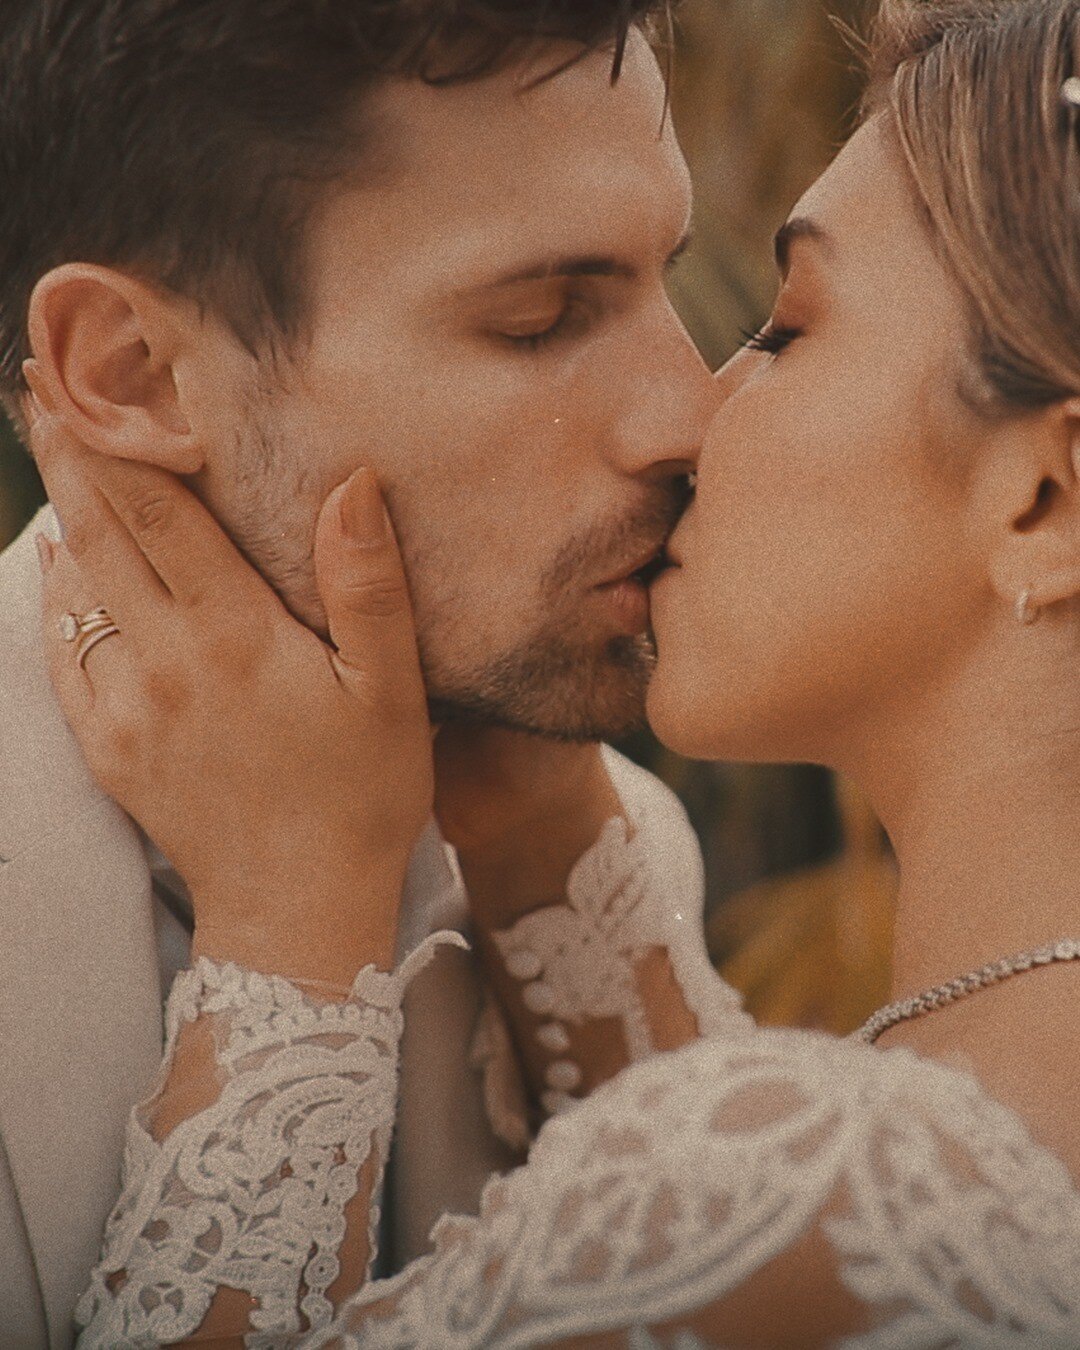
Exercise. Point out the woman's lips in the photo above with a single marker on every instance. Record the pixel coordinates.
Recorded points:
(672, 558)
(672, 568)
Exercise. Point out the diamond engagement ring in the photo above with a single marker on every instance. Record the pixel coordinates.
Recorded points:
(88, 630)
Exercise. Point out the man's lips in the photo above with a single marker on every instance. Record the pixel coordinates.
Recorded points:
(644, 568)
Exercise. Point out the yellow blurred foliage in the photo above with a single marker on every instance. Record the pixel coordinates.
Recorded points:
(762, 98)
(811, 949)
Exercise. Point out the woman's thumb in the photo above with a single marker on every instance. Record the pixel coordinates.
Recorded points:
(362, 584)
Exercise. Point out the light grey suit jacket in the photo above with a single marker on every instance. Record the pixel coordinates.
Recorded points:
(80, 1006)
(80, 996)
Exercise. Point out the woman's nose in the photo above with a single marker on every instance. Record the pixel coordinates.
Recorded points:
(735, 371)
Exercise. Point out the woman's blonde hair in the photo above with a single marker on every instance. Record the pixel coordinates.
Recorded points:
(976, 92)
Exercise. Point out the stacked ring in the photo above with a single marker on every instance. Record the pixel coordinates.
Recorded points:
(88, 630)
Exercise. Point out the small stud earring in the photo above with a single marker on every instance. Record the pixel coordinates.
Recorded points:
(1026, 612)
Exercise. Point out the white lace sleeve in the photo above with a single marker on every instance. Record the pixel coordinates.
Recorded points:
(249, 1193)
(638, 893)
(784, 1189)
(669, 853)
(579, 963)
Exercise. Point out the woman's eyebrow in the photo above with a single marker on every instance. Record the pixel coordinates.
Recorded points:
(798, 227)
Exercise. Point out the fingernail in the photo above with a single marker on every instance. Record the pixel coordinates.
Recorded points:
(46, 553)
(363, 515)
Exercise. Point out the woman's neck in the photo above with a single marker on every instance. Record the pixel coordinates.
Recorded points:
(981, 798)
(990, 867)
(989, 853)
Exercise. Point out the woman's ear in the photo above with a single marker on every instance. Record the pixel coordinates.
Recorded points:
(105, 347)
(1035, 480)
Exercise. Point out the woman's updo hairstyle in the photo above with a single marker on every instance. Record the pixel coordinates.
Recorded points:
(976, 91)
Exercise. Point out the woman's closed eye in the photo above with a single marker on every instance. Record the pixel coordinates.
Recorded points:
(773, 338)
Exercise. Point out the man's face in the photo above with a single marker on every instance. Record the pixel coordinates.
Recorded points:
(491, 333)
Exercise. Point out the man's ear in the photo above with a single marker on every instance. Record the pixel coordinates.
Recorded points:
(106, 348)
(1033, 487)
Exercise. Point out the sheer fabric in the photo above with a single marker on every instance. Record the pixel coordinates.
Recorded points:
(250, 1192)
(578, 963)
(753, 1188)
(648, 1207)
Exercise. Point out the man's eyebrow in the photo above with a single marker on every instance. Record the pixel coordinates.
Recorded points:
(798, 227)
(584, 265)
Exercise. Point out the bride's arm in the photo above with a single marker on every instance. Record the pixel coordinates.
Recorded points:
(585, 893)
(250, 1171)
(785, 1190)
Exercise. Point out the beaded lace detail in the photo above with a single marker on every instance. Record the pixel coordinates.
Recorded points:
(576, 960)
(797, 1160)
(250, 1193)
(643, 1210)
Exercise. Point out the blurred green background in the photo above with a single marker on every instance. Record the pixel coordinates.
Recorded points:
(799, 888)
(20, 488)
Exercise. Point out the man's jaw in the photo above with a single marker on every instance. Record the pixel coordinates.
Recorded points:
(555, 690)
(585, 676)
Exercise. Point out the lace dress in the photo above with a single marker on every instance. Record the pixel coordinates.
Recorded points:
(753, 1188)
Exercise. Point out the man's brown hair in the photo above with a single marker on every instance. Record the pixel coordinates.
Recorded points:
(187, 140)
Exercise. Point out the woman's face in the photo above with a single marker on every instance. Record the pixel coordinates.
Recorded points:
(828, 577)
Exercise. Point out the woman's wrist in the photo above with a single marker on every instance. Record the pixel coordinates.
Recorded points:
(330, 965)
(319, 938)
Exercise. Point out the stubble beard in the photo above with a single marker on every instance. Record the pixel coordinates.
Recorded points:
(551, 687)
(556, 683)
(561, 682)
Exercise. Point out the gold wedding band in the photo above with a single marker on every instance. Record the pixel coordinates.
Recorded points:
(71, 625)
(88, 630)
(91, 640)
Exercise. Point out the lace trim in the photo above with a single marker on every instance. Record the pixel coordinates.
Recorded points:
(250, 1193)
(577, 960)
(660, 1195)
(662, 858)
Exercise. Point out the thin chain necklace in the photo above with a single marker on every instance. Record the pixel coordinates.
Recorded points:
(1068, 949)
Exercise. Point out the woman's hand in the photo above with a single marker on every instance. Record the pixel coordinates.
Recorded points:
(286, 780)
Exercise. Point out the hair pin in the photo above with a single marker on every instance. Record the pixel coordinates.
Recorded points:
(1070, 91)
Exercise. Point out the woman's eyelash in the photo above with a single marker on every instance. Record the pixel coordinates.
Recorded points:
(771, 339)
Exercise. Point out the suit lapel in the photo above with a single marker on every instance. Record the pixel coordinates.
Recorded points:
(80, 1021)
(443, 1148)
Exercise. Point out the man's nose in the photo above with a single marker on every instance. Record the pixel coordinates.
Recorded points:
(661, 430)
